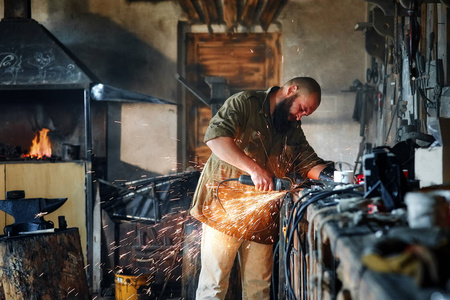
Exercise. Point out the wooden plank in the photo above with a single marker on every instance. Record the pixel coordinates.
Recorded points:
(270, 11)
(248, 13)
(254, 57)
(189, 9)
(230, 14)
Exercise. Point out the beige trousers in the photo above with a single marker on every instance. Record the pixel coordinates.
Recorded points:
(218, 252)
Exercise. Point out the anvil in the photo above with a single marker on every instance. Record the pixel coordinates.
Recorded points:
(28, 213)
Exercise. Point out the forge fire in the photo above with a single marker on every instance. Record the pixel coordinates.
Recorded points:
(41, 147)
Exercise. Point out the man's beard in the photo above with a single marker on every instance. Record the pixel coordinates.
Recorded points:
(281, 114)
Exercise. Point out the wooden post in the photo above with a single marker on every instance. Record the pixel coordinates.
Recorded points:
(43, 266)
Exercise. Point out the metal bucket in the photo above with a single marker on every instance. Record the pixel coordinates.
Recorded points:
(131, 287)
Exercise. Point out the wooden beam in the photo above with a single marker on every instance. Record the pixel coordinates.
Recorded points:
(270, 11)
(230, 14)
(248, 13)
(189, 9)
(210, 11)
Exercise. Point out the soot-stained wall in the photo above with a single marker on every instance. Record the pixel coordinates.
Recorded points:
(134, 46)
(319, 40)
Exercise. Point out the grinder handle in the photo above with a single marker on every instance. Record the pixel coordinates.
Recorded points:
(278, 184)
(246, 179)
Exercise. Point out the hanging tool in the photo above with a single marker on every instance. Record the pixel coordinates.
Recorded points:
(372, 72)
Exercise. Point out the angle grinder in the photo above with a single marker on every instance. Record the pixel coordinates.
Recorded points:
(279, 184)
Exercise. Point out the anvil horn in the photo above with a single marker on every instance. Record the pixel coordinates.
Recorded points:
(26, 210)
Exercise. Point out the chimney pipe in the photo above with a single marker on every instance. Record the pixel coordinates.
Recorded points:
(17, 9)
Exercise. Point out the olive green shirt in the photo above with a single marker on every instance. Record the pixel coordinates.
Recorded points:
(246, 118)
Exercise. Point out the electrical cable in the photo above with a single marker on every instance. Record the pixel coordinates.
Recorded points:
(274, 291)
(217, 190)
(291, 213)
(294, 219)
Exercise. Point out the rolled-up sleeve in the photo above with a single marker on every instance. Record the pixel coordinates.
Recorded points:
(229, 120)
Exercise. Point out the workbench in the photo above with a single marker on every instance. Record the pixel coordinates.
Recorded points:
(328, 250)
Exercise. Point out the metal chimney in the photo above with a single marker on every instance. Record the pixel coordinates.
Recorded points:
(17, 9)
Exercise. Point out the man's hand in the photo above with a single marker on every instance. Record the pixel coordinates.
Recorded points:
(262, 180)
(226, 149)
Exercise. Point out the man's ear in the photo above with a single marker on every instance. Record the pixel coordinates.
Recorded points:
(292, 90)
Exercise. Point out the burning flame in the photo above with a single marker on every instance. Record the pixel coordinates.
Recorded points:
(41, 146)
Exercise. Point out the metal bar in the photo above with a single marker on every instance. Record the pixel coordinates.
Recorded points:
(193, 90)
(96, 246)
(89, 203)
(104, 92)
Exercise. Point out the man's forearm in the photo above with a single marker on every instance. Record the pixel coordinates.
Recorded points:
(226, 149)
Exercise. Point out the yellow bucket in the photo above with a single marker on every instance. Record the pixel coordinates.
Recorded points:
(129, 287)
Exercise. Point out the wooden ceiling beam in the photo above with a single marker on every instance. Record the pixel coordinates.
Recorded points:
(189, 9)
(270, 11)
(210, 11)
(248, 13)
(230, 14)
(254, 12)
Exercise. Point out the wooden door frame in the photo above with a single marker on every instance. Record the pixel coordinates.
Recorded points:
(272, 76)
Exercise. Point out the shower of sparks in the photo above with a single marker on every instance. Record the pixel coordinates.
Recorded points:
(168, 249)
(177, 237)
(243, 210)
(162, 247)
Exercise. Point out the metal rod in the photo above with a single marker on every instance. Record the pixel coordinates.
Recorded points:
(88, 178)
(193, 90)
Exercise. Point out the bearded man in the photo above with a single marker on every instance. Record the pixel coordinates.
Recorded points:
(256, 133)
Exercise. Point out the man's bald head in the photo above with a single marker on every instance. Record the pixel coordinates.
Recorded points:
(306, 86)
